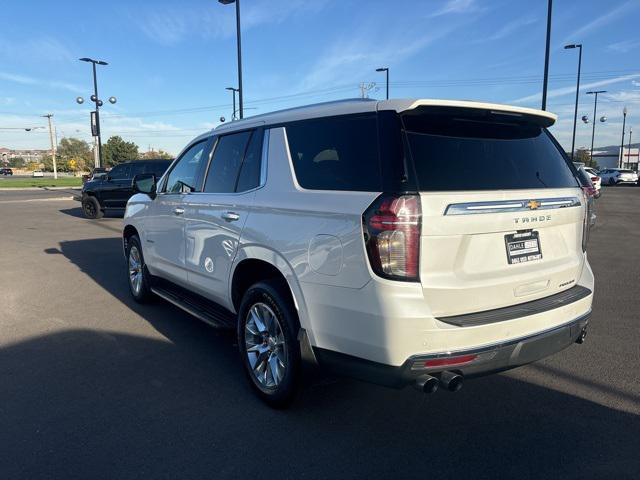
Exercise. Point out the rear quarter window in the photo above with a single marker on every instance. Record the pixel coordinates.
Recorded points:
(336, 153)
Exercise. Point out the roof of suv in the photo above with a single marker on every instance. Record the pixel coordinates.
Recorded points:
(343, 107)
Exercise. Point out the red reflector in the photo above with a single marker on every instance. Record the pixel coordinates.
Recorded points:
(445, 362)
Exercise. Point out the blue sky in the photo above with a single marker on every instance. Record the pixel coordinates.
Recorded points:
(171, 61)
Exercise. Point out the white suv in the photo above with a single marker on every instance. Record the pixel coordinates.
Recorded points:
(401, 241)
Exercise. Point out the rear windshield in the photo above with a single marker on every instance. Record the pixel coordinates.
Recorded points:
(482, 151)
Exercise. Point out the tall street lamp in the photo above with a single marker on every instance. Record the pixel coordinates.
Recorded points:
(233, 90)
(595, 107)
(545, 82)
(629, 147)
(575, 113)
(98, 102)
(386, 70)
(624, 120)
(240, 90)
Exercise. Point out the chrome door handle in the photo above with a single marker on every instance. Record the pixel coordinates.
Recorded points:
(178, 211)
(230, 216)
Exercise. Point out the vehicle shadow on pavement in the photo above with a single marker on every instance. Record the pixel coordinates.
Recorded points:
(82, 403)
(77, 212)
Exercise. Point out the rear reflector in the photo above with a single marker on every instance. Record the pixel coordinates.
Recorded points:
(449, 361)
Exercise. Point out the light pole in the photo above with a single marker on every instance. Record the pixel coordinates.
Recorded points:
(386, 70)
(624, 120)
(98, 102)
(240, 90)
(575, 113)
(545, 81)
(595, 107)
(629, 147)
(233, 90)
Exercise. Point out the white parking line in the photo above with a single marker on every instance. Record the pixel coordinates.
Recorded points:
(27, 200)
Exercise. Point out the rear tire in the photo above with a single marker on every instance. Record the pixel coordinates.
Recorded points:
(137, 272)
(91, 208)
(268, 342)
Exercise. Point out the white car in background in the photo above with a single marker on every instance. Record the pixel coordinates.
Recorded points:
(614, 176)
(595, 179)
(37, 173)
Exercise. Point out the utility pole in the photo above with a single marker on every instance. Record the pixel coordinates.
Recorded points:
(595, 109)
(365, 88)
(53, 145)
(546, 57)
(629, 147)
(624, 120)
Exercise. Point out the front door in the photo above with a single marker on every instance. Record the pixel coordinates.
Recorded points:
(216, 217)
(164, 227)
(117, 186)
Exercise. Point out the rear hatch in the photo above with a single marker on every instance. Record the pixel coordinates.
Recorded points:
(502, 212)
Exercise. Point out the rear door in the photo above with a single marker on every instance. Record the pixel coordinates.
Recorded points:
(502, 212)
(215, 218)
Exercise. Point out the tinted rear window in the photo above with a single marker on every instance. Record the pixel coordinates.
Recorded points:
(336, 153)
(481, 151)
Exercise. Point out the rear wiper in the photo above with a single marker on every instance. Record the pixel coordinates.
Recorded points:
(540, 180)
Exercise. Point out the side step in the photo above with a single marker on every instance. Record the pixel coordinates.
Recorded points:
(194, 304)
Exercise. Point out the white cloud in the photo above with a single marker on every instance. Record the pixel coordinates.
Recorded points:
(454, 7)
(601, 21)
(624, 46)
(41, 49)
(567, 90)
(510, 28)
(54, 84)
(171, 25)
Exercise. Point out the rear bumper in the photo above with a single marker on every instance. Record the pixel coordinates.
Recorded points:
(489, 358)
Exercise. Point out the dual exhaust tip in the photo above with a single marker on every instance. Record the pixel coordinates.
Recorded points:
(448, 380)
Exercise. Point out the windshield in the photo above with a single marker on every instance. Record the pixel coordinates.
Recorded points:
(483, 151)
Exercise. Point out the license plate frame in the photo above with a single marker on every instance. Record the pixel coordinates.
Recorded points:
(523, 247)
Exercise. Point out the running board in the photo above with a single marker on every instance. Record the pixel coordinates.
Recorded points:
(201, 308)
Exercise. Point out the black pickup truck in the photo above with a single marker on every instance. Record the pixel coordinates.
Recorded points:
(111, 191)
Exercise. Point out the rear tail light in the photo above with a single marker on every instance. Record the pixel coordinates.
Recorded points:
(595, 179)
(589, 215)
(392, 236)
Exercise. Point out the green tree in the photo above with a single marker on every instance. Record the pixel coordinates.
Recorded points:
(16, 162)
(154, 154)
(582, 155)
(75, 154)
(116, 151)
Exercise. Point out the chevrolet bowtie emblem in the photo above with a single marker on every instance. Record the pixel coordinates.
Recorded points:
(533, 204)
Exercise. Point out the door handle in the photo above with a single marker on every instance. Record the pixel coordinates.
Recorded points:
(230, 216)
(178, 211)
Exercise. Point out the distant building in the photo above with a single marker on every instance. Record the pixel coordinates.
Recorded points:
(606, 158)
(630, 158)
(7, 154)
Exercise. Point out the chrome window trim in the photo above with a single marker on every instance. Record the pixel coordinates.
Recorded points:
(500, 206)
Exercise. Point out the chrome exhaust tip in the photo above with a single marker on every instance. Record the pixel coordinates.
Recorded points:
(426, 384)
(582, 337)
(451, 381)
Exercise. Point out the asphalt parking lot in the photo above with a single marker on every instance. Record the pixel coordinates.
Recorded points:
(93, 385)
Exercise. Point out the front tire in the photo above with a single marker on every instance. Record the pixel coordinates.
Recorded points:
(91, 208)
(138, 274)
(268, 343)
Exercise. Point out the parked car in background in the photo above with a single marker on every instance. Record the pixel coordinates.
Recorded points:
(361, 235)
(589, 179)
(37, 174)
(595, 179)
(111, 190)
(616, 176)
(6, 171)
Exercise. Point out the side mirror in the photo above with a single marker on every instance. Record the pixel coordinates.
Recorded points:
(145, 183)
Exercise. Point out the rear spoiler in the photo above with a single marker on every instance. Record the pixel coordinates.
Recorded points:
(540, 117)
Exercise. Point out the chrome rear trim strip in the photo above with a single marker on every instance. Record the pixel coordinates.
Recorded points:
(531, 204)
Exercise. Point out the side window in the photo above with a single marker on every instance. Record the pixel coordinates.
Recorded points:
(183, 177)
(137, 168)
(226, 163)
(250, 172)
(120, 172)
(336, 153)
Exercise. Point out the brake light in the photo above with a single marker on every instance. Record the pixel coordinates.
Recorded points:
(392, 236)
(595, 179)
(589, 215)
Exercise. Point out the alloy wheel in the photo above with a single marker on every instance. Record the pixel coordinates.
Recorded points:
(266, 349)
